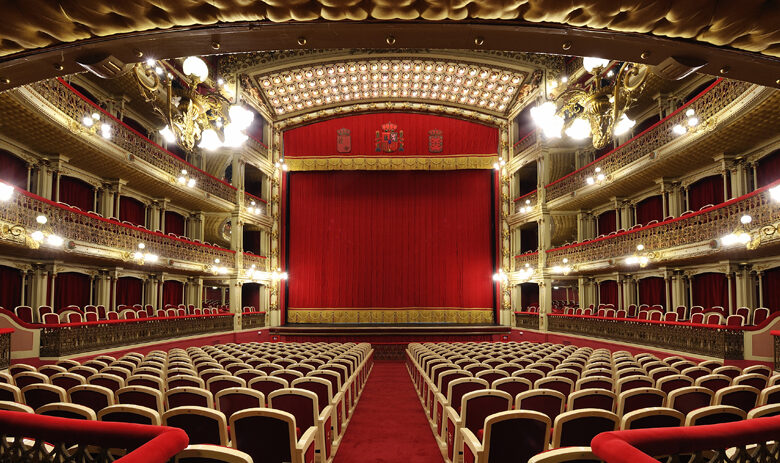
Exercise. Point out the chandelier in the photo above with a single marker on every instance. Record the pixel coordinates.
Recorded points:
(195, 112)
(598, 112)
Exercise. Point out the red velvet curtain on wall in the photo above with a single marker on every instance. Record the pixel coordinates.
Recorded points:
(71, 288)
(608, 293)
(174, 223)
(77, 193)
(771, 289)
(710, 289)
(708, 190)
(607, 222)
(768, 169)
(529, 293)
(172, 293)
(651, 291)
(10, 287)
(396, 239)
(649, 209)
(252, 241)
(13, 170)
(129, 291)
(250, 295)
(131, 210)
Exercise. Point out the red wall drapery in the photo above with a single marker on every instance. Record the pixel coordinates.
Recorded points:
(651, 208)
(71, 288)
(129, 291)
(459, 136)
(529, 293)
(768, 169)
(132, 210)
(771, 289)
(77, 193)
(400, 239)
(13, 170)
(252, 241)
(172, 293)
(708, 190)
(607, 222)
(10, 287)
(710, 289)
(651, 291)
(174, 223)
(250, 295)
(608, 293)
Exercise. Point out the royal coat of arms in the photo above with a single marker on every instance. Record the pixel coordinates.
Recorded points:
(343, 141)
(389, 139)
(435, 141)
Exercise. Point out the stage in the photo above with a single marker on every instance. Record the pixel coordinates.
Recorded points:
(390, 341)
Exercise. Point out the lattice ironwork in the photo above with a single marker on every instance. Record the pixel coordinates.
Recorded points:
(707, 107)
(530, 258)
(5, 350)
(526, 203)
(777, 353)
(714, 342)
(57, 341)
(72, 224)
(252, 320)
(260, 262)
(529, 321)
(255, 205)
(57, 95)
(525, 143)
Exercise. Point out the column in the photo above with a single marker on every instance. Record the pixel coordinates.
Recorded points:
(236, 233)
(51, 292)
(92, 290)
(729, 307)
(113, 303)
(667, 293)
(38, 286)
(153, 216)
(235, 302)
(150, 291)
(760, 288)
(103, 290)
(24, 287)
(545, 301)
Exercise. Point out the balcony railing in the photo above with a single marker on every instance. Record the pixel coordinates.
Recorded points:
(526, 201)
(530, 258)
(524, 143)
(527, 320)
(257, 145)
(706, 105)
(706, 225)
(255, 205)
(20, 213)
(5, 347)
(260, 262)
(76, 106)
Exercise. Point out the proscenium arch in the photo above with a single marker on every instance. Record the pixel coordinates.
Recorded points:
(238, 37)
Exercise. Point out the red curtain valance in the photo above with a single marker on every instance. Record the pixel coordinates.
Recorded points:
(458, 137)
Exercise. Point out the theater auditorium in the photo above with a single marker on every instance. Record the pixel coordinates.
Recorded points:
(356, 231)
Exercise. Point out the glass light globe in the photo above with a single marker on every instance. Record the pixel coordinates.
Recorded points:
(624, 124)
(37, 236)
(150, 257)
(240, 116)
(168, 134)
(196, 68)
(41, 219)
(209, 140)
(6, 191)
(579, 129)
(191, 182)
(54, 240)
(590, 63)
(234, 138)
(746, 219)
(774, 193)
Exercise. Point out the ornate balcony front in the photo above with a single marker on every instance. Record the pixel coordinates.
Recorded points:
(525, 143)
(707, 107)
(259, 263)
(91, 235)
(526, 260)
(254, 205)
(57, 94)
(668, 240)
(526, 203)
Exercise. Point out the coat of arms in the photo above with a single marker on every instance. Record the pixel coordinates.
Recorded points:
(435, 141)
(389, 139)
(343, 141)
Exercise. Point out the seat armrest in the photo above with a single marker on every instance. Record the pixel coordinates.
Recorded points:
(305, 445)
(472, 451)
(452, 415)
(326, 413)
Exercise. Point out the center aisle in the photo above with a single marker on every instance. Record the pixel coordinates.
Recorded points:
(389, 425)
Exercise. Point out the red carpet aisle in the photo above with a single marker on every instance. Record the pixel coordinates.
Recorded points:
(389, 425)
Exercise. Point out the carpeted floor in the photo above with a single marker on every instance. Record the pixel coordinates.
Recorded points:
(389, 425)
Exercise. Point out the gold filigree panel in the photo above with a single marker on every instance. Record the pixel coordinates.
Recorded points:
(464, 316)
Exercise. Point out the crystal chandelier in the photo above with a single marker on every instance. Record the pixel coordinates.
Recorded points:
(598, 112)
(195, 113)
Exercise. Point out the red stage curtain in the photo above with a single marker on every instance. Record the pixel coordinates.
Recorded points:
(77, 193)
(174, 223)
(708, 190)
(250, 295)
(10, 287)
(13, 170)
(71, 288)
(768, 169)
(132, 210)
(608, 293)
(607, 222)
(459, 136)
(771, 289)
(400, 239)
(710, 289)
(252, 241)
(172, 293)
(129, 291)
(529, 293)
(649, 209)
(651, 291)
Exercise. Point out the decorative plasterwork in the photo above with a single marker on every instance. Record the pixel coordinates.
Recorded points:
(475, 86)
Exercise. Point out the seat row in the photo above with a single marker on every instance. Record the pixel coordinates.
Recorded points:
(73, 314)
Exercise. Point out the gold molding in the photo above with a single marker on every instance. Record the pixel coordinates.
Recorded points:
(391, 163)
(382, 315)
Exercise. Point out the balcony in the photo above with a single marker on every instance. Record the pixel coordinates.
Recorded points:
(90, 235)
(260, 263)
(526, 203)
(254, 205)
(638, 162)
(687, 236)
(528, 141)
(41, 112)
(526, 260)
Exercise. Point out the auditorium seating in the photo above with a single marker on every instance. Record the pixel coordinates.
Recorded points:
(74, 314)
(579, 391)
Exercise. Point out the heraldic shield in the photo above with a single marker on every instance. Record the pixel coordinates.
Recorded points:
(343, 140)
(389, 139)
(435, 141)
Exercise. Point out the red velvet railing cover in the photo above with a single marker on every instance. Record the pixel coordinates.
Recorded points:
(738, 328)
(24, 324)
(256, 198)
(637, 446)
(149, 444)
